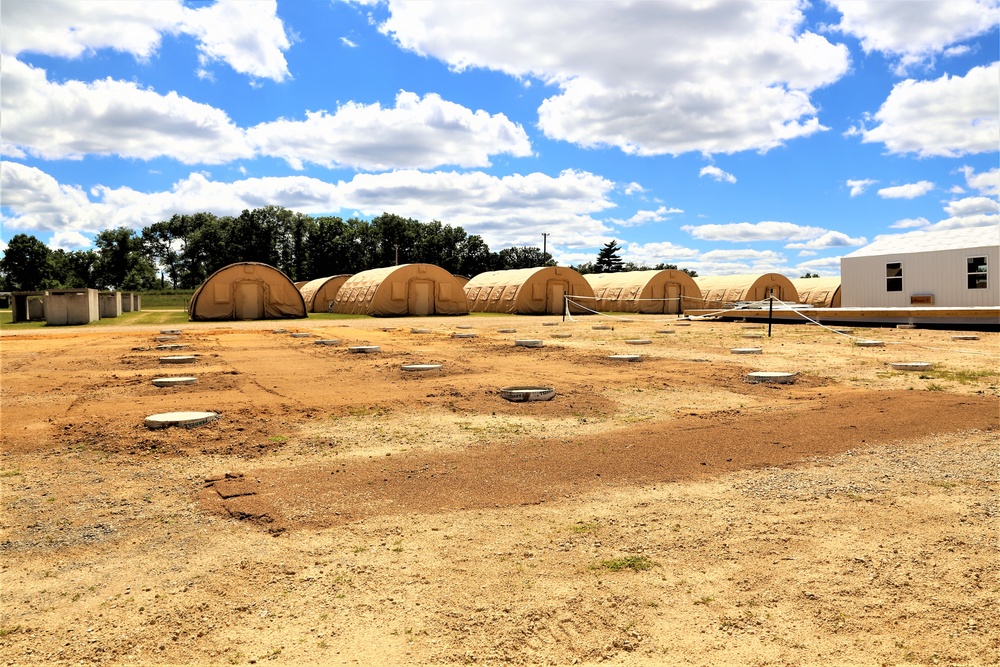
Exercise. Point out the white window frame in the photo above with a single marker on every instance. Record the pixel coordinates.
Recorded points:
(985, 274)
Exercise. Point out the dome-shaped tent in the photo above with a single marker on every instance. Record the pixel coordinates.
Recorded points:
(528, 291)
(247, 291)
(666, 291)
(320, 294)
(818, 292)
(723, 291)
(408, 289)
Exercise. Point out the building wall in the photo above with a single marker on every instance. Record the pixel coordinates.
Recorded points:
(942, 274)
(71, 307)
(110, 304)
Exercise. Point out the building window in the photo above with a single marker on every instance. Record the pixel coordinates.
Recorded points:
(894, 277)
(977, 272)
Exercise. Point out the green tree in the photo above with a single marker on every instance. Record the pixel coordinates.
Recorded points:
(810, 275)
(608, 259)
(72, 269)
(25, 264)
(523, 258)
(122, 262)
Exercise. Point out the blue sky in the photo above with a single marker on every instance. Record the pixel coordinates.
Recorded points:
(727, 137)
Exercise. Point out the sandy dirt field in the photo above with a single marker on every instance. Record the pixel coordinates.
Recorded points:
(343, 511)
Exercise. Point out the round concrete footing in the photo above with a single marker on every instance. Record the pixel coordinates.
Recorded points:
(302, 334)
(965, 337)
(182, 419)
(506, 330)
(417, 368)
(171, 346)
(528, 342)
(638, 341)
(753, 335)
(463, 335)
(170, 332)
(420, 331)
(869, 343)
(625, 357)
(465, 326)
(525, 394)
(364, 349)
(682, 324)
(327, 341)
(665, 331)
(550, 324)
(163, 339)
(746, 350)
(186, 359)
(911, 365)
(771, 377)
(601, 327)
(173, 382)
(279, 331)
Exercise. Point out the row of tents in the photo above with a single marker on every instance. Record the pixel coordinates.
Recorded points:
(255, 291)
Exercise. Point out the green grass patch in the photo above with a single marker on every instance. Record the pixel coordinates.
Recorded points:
(582, 528)
(11, 473)
(167, 299)
(962, 376)
(634, 563)
(158, 318)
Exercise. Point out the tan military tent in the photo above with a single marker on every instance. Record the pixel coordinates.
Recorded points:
(723, 291)
(462, 280)
(667, 291)
(818, 292)
(319, 294)
(408, 289)
(247, 291)
(528, 291)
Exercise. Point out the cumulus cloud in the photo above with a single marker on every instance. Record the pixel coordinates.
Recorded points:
(738, 232)
(906, 191)
(830, 240)
(642, 217)
(915, 36)
(728, 262)
(859, 186)
(971, 206)
(946, 117)
(987, 182)
(650, 78)
(633, 188)
(248, 35)
(716, 173)
(348, 43)
(824, 266)
(69, 239)
(109, 117)
(509, 210)
(660, 252)
(962, 222)
(417, 133)
(910, 223)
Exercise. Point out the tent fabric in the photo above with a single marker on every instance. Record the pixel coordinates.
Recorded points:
(534, 291)
(247, 291)
(320, 294)
(818, 292)
(723, 291)
(407, 289)
(667, 291)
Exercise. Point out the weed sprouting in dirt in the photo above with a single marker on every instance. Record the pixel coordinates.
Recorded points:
(634, 563)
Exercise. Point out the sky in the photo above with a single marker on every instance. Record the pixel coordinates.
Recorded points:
(722, 136)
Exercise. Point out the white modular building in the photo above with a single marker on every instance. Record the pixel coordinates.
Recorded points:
(951, 268)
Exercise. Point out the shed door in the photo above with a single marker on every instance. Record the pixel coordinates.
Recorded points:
(249, 301)
(556, 292)
(421, 300)
(672, 294)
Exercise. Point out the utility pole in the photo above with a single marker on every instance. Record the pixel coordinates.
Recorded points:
(545, 243)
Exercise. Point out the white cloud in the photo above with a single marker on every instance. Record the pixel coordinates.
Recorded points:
(348, 43)
(824, 266)
(987, 182)
(948, 117)
(633, 188)
(69, 239)
(957, 190)
(807, 253)
(971, 206)
(509, 210)
(108, 117)
(909, 223)
(962, 222)
(738, 232)
(859, 186)
(830, 240)
(906, 191)
(651, 254)
(642, 217)
(915, 33)
(716, 173)
(416, 133)
(728, 262)
(736, 76)
(246, 35)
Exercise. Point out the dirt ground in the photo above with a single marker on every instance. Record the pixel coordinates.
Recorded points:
(343, 511)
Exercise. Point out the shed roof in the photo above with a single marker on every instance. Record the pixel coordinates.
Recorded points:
(913, 242)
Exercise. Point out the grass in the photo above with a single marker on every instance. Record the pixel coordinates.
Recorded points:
(634, 563)
(962, 377)
(581, 528)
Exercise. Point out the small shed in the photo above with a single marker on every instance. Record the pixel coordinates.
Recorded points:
(667, 291)
(110, 304)
(247, 291)
(127, 302)
(536, 291)
(724, 291)
(27, 306)
(407, 289)
(954, 268)
(818, 292)
(320, 294)
(72, 306)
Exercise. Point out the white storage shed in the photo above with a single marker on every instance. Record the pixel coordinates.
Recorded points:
(952, 268)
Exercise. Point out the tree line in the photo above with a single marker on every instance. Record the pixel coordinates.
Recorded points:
(182, 252)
